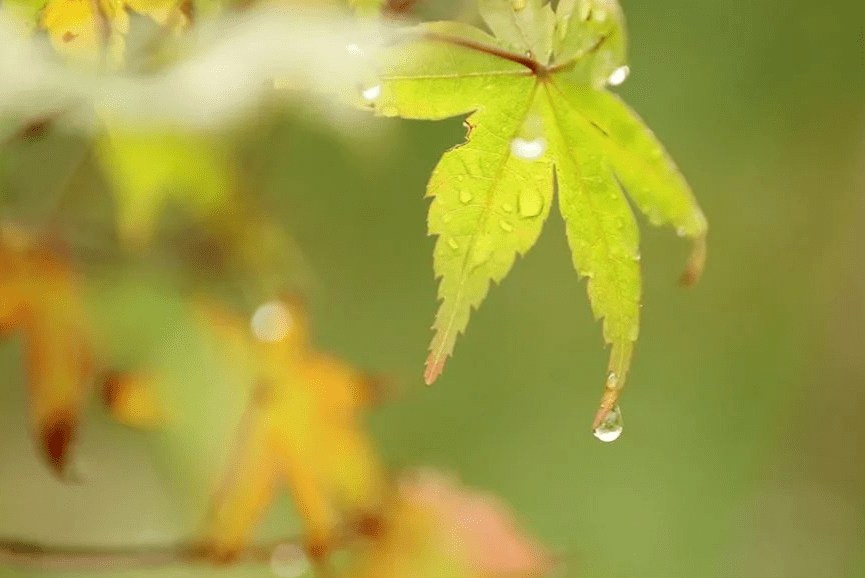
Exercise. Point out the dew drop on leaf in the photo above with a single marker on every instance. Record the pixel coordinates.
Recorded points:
(528, 150)
(288, 561)
(506, 227)
(508, 208)
(619, 75)
(371, 93)
(271, 322)
(354, 50)
(465, 197)
(452, 243)
(531, 203)
(519, 4)
(611, 428)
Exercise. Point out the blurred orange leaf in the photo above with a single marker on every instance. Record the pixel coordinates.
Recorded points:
(302, 430)
(39, 298)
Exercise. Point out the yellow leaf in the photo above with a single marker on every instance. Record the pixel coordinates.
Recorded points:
(91, 33)
(131, 399)
(73, 27)
(302, 430)
(39, 298)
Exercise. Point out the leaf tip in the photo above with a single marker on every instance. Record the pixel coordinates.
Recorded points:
(56, 437)
(608, 404)
(435, 364)
(695, 264)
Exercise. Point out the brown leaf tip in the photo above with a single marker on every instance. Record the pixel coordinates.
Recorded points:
(434, 368)
(110, 390)
(696, 263)
(56, 437)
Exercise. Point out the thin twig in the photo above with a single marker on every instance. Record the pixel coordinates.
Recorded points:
(48, 557)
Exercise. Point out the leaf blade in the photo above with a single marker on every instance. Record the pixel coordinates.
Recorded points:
(481, 229)
(603, 237)
(648, 173)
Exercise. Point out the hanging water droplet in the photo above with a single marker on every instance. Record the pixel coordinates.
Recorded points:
(528, 150)
(271, 322)
(638, 257)
(531, 203)
(288, 561)
(465, 197)
(612, 380)
(519, 4)
(610, 429)
(506, 227)
(619, 75)
(354, 50)
(452, 243)
(371, 93)
(508, 208)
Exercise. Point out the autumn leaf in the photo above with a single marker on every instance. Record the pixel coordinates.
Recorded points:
(302, 430)
(39, 298)
(89, 34)
(540, 118)
(438, 528)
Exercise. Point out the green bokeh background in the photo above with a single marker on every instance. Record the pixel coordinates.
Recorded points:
(743, 447)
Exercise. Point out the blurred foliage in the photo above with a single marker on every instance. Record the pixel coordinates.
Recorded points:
(742, 450)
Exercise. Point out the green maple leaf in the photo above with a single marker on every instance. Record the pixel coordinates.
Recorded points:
(540, 119)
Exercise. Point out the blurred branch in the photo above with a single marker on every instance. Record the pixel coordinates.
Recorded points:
(47, 557)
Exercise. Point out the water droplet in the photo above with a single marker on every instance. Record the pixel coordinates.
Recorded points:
(681, 231)
(465, 197)
(288, 561)
(452, 243)
(371, 93)
(611, 428)
(271, 322)
(528, 150)
(460, 178)
(637, 257)
(619, 75)
(612, 380)
(531, 203)
(599, 15)
(354, 50)
(508, 208)
(519, 4)
(390, 110)
(506, 227)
